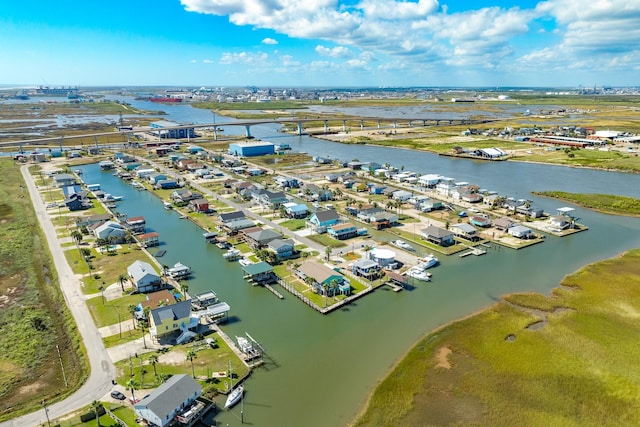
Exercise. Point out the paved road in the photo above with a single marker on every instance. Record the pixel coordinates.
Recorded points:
(102, 369)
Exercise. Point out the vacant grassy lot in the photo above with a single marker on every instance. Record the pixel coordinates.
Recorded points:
(606, 203)
(569, 359)
(33, 315)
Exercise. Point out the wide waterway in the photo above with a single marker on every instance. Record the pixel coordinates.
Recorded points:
(321, 368)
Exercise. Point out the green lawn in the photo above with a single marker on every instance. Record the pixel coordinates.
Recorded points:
(294, 224)
(107, 313)
(325, 240)
(607, 203)
(579, 368)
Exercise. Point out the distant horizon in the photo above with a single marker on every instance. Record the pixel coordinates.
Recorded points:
(322, 43)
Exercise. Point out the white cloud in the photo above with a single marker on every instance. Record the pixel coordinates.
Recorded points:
(336, 52)
(425, 34)
(243, 58)
(207, 61)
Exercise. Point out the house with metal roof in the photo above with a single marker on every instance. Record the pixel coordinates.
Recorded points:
(320, 220)
(438, 235)
(322, 275)
(342, 231)
(465, 230)
(259, 273)
(261, 238)
(162, 406)
(283, 248)
(110, 230)
(144, 277)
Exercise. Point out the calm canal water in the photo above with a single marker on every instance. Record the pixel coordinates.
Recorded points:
(321, 369)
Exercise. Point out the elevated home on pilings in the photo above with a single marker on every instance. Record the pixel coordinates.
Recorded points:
(260, 273)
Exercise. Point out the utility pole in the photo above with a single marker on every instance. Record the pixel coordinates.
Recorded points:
(64, 375)
(46, 412)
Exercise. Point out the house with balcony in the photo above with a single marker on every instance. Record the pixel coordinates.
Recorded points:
(466, 231)
(320, 220)
(144, 277)
(171, 401)
(168, 319)
(342, 231)
(323, 277)
(261, 238)
(112, 231)
(366, 268)
(437, 235)
(283, 248)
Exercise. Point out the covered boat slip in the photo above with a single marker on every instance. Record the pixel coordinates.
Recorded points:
(259, 273)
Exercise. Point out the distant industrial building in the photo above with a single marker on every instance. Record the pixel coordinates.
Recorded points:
(164, 129)
(251, 148)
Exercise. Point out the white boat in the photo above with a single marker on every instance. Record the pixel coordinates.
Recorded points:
(419, 274)
(429, 261)
(137, 185)
(244, 262)
(231, 254)
(234, 397)
(178, 271)
(244, 345)
(402, 245)
(167, 205)
(111, 198)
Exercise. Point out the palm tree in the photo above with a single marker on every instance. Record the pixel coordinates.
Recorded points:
(153, 360)
(144, 324)
(190, 356)
(184, 287)
(327, 252)
(76, 236)
(132, 385)
(96, 406)
(132, 310)
(123, 278)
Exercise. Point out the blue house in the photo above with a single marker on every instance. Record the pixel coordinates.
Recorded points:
(166, 184)
(377, 188)
(320, 220)
(282, 247)
(342, 231)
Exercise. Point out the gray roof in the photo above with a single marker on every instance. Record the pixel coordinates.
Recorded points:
(464, 227)
(230, 216)
(434, 231)
(365, 263)
(280, 243)
(327, 215)
(164, 400)
(264, 235)
(179, 310)
(139, 269)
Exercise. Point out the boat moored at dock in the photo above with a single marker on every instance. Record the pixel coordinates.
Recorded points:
(179, 271)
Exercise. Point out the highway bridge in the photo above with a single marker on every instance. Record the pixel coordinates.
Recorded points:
(346, 122)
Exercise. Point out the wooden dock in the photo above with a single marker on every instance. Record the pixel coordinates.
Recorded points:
(273, 291)
(396, 288)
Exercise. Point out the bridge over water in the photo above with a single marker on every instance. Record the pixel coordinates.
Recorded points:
(380, 123)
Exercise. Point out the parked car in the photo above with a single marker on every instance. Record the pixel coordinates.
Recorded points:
(117, 395)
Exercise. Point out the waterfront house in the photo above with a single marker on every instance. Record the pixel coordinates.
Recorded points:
(529, 211)
(183, 196)
(259, 273)
(155, 177)
(136, 224)
(144, 173)
(154, 300)
(149, 239)
(366, 268)
(322, 276)
(558, 223)
(465, 231)
(429, 180)
(261, 238)
(490, 200)
(520, 231)
(383, 219)
(86, 221)
(512, 204)
(503, 223)
(69, 190)
(166, 320)
(342, 231)
(64, 179)
(161, 406)
(144, 277)
(167, 184)
(480, 220)
(199, 205)
(320, 220)
(231, 216)
(437, 235)
(77, 202)
(283, 248)
(112, 231)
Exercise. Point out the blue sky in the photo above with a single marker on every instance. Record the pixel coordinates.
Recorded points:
(286, 43)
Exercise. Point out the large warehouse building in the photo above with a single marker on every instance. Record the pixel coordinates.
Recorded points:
(159, 128)
(251, 148)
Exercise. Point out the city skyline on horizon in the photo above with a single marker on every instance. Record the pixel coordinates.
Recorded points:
(323, 44)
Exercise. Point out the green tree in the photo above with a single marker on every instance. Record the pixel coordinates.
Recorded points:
(132, 385)
(327, 252)
(144, 324)
(153, 360)
(96, 406)
(76, 236)
(131, 308)
(190, 356)
(123, 278)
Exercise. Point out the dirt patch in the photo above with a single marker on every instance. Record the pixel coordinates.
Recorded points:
(173, 358)
(443, 358)
(30, 389)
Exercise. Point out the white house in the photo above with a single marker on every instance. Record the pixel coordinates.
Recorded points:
(164, 404)
(144, 277)
(519, 231)
(110, 230)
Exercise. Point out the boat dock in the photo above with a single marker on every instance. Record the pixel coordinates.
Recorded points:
(396, 288)
(273, 291)
(473, 251)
